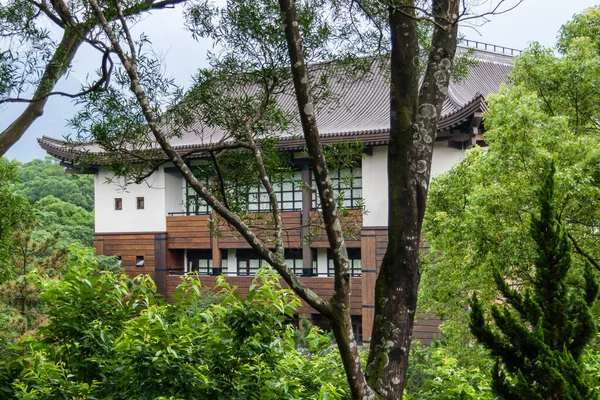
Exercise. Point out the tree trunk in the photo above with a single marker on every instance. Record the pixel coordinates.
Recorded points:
(55, 69)
(413, 127)
(341, 320)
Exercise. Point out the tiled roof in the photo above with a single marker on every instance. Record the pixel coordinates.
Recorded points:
(360, 108)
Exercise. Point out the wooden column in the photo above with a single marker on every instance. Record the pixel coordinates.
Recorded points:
(160, 263)
(307, 258)
(368, 248)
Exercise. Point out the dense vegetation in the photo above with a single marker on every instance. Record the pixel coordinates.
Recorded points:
(72, 326)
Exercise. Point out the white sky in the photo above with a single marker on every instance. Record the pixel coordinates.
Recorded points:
(533, 20)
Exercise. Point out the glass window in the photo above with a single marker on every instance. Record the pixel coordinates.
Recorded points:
(118, 204)
(139, 261)
(140, 203)
(248, 262)
(353, 258)
(347, 185)
(200, 261)
(194, 204)
(289, 195)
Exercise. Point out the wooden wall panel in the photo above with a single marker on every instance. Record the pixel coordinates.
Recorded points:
(352, 223)
(323, 286)
(230, 238)
(189, 232)
(129, 246)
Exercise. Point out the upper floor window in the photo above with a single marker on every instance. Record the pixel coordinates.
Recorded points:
(353, 258)
(194, 204)
(288, 191)
(140, 203)
(118, 204)
(347, 187)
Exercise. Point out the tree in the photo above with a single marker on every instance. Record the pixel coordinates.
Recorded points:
(32, 61)
(479, 213)
(40, 178)
(540, 337)
(265, 45)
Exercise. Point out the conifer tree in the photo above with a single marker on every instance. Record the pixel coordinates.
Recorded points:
(540, 333)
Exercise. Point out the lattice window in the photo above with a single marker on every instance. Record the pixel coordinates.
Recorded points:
(289, 195)
(347, 184)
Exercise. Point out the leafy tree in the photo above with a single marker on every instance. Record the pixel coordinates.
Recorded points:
(541, 333)
(15, 209)
(109, 337)
(72, 223)
(479, 213)
(41, 178)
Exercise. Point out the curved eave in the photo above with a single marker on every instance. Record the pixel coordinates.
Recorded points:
(462, 115)
(374, 137)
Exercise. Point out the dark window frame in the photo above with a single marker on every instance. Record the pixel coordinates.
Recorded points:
(354, 257)
(258, 199)
(140, 201)
(139, 261)
(194, 204)
(118, 203)
(353, 195)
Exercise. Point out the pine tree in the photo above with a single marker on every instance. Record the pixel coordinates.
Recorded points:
(540, 333)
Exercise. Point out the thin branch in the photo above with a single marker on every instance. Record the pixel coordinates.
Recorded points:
(101, 84)
(583, 252)
(133, 55)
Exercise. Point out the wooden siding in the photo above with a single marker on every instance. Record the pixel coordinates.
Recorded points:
(351, 223)
(230, 238)
(426, 328)
(128, 247)
(189, 232)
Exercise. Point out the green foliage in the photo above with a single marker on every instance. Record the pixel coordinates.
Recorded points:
(539, 339)
(478, 214)
(38, 179)
(109, 337)
(437, 372)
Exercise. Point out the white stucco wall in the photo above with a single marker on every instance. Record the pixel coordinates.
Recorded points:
(174, 193)
(374, 173)
(444, 158)
(130, 219)
(375, 186)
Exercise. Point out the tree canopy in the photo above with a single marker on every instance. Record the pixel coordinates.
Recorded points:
(479, 212)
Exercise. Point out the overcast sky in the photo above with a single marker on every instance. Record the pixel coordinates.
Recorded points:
(533, 20)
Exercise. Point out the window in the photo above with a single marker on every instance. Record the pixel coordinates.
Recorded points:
(293, 259)
(194, 204)
(139, 261)
(118, 204)
(140, 203)
(289, 195)
(353, 257)
(119, 260)
(248, 262)
(200, 261)
(347, 185)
